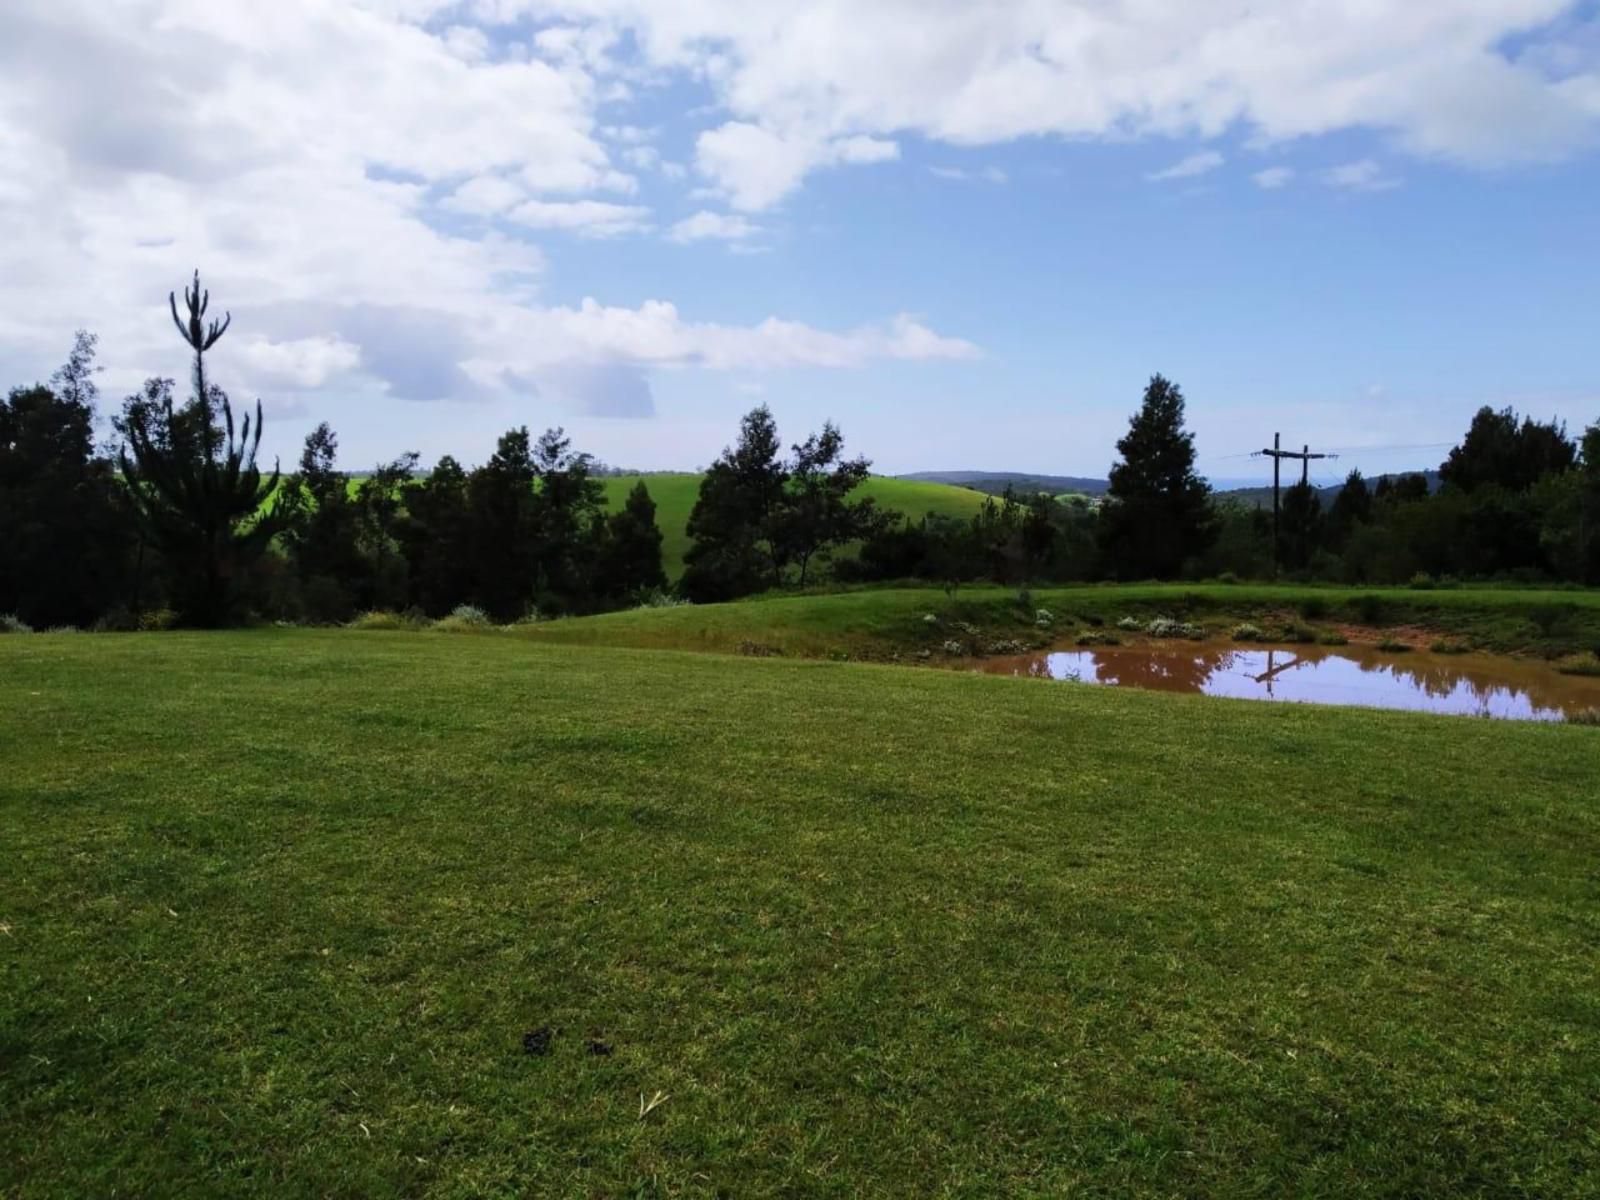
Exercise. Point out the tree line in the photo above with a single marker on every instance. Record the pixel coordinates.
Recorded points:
(179, 516)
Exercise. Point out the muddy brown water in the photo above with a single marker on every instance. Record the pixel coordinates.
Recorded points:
(1474, 684)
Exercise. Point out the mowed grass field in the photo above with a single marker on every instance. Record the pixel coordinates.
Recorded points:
(675, 495)
(279, 907)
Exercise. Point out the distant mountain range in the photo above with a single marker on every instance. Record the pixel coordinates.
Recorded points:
(994, 483)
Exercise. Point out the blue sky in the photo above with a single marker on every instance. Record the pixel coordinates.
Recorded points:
(967, 233)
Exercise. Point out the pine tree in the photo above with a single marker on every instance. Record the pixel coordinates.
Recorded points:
(630, 549)
(730, 528)
(1158, 510)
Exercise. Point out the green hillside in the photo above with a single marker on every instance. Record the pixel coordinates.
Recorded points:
(675, 493)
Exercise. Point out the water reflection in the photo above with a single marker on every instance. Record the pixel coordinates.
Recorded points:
(1476, 684)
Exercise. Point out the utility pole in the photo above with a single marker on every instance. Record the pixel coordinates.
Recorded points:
(1277, 455)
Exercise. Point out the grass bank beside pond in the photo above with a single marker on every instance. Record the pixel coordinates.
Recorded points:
(892, 622)
(279, 908)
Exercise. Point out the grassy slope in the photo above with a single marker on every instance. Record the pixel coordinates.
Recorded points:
(879, 623)
(675, 495)
(278, 907)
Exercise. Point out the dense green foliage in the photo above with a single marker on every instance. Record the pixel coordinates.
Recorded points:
(65, 535)
(280, 907)
(757, 514)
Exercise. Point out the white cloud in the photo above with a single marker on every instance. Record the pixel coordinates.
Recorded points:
(1188, 168)
(589, 218)
(1273, 178)
(314, 158)
(656, 335)
(1363, 176)
(302, 363)
(727, 227)
(1470, 83)
(961, 174)
(755, 167)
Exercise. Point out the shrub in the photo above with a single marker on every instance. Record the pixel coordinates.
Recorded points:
(13, 624)
(1444, 646)
(1584, 716)
(1369, 608)
(1096, 638)
(158, 620)
(1247, 633)
(380, 620)
(661, 598)
(1093, 620)
(1130, 625)
(1421, 582)
(1393, 646)
(464, 618)
(1166, 627)
(953, 647)
(758, 649)
(1549, 618)
(63, 629)
(1043, 618)
(115, 620)
(1295, 631)
(1580, 664)
(1313, 608)
(1227, 577)
(1332, 637)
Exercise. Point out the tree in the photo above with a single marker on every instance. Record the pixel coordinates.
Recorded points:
(503, 527)
(567, 512)
(629, 556)
(64, 535)
(322, 529)
(196, 490)
(1158, 510)
(1302, 519)
(1351, 507)
(814, 514)
(1497, 451)
(435, 535)
(380, 503)
(731, 552)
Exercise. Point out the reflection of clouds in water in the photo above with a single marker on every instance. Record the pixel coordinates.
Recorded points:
(1355, 675)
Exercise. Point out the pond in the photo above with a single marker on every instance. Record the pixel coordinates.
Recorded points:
(1476, 684)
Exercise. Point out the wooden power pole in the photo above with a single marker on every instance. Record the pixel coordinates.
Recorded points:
(1277, 454)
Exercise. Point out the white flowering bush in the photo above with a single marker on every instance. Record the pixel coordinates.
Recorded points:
(1044, 618)
(1246, 633)
(1132, 625)
(1166, 627)
(954, 647)
(14, 624)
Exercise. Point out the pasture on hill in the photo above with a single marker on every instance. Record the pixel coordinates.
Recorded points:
(293, 912)
(675, 494)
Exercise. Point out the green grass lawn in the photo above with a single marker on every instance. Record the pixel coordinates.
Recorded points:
(883, 622)
(675, 495)
(278, 908)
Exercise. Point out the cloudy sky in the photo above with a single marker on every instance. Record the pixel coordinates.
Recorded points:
(967, 231)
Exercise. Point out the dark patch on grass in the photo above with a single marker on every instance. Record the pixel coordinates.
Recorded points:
(537, 1041)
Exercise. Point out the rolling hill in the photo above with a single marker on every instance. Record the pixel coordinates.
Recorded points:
(675, 493)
